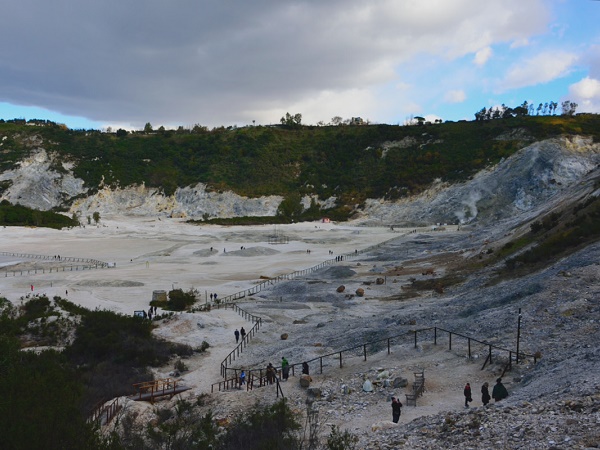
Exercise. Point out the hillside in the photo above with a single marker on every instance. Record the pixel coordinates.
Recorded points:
(224, 173)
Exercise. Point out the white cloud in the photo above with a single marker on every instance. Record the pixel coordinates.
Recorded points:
(542, 68)
(236, 61)
(455, 96)
(482, 56)
(586, 93)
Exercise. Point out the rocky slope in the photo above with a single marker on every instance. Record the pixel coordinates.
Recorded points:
(532, 178)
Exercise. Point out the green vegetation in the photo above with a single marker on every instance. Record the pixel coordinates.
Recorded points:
(17, 215)
(110, 352)
(351, 163)
(180, 301)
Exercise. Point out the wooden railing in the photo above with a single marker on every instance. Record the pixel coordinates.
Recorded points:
(102, 414)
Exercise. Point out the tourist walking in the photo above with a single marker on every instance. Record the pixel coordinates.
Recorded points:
(242, 378)
(285, 368)
(396, 409)
(242, 333)
(485, 394)
(237, 336)
(467, 394)
(270, 374)
(499, 392)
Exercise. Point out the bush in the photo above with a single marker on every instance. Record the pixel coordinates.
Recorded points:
(203, 347)
(179, 300)
(263, 428)
(341, 441)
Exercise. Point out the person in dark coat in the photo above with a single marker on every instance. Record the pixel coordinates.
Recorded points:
(237, 336)
(271, 374)
(242, 333)
(396, 409)
(499, 392)
(305, 368)
(485, 394)
(467, 394)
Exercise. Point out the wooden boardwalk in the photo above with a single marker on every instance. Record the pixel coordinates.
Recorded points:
(151, 390)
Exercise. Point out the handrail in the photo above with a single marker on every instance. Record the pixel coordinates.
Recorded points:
(388, 339)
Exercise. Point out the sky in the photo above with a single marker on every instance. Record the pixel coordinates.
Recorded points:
(125, 63)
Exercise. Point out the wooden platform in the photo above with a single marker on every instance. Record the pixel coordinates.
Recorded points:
(151, 390)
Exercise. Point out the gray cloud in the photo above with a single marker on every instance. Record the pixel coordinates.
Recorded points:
(223, 62)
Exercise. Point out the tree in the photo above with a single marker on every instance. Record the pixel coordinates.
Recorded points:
(337, 120)
(96, 217)
(568, 108)
(148, 128)
(294, 121)
(121, 132)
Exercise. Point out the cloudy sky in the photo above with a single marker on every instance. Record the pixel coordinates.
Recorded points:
(123, 63)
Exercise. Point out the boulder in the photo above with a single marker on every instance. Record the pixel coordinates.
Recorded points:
(360, 292)
(380, 280)
(314, 392)
(284, 336)
(305, 381)
(400, 382)
(368, 386)
(341, 288)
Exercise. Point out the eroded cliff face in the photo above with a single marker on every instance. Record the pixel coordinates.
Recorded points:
(533, 178)
(190, 202)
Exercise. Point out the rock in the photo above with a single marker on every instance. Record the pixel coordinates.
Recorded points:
(360, 292)
(380, 280)
(367, 386)
(383, 374)
(314, 392)
(383, 425)
(305, 381)
(400, 382)
(284, 336)
(341, 288)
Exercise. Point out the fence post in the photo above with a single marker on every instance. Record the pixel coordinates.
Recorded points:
(340, 360)
(435, 336)
(321, 364)
(388, 346)
(415, 338)
(450, 342)
(490, 354)
(469, 341)
(365, 351)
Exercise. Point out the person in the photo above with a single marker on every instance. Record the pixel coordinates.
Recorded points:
(242, 378)
(237, 335)
(485, 394)
(396, 409)
(285, 368)
(270, 374)
(243, 333)
(467, 394)
(305, 368)
(499, 392)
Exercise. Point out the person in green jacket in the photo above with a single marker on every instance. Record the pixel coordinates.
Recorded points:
(285, 368)
(499, 391)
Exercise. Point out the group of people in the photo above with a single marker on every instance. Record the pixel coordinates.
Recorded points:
(239, 333)
(498, 393)
(285, 370)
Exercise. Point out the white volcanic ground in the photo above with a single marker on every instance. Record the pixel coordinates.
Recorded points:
(161, 254)
(152, 254)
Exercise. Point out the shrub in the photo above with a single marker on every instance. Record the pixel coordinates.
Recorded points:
(341, 441)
